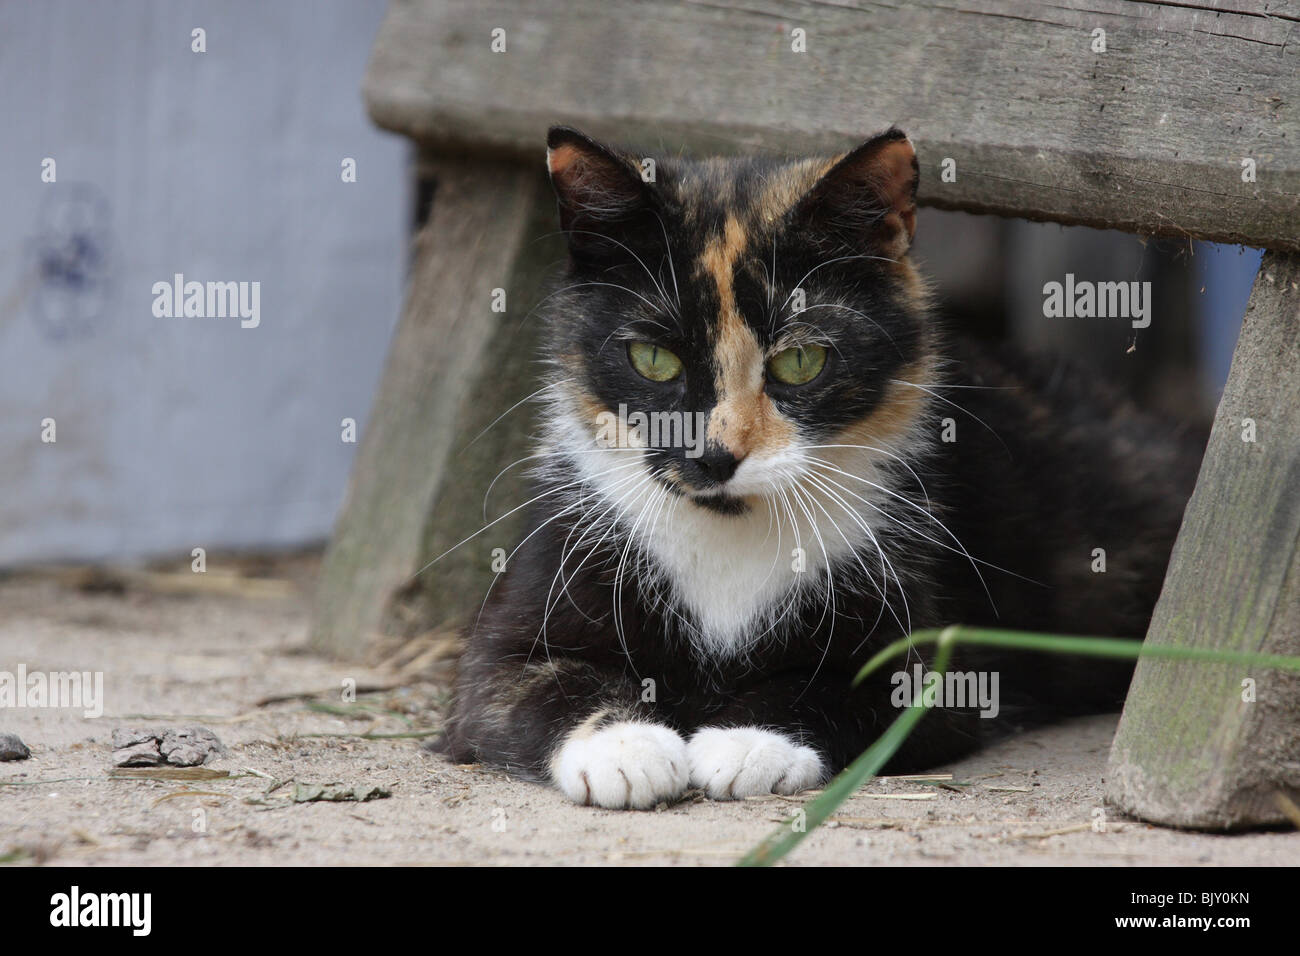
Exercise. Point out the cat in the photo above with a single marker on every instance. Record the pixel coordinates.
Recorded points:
(690, 614)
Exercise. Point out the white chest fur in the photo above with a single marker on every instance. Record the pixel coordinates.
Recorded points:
(733, 578)
(735, 575)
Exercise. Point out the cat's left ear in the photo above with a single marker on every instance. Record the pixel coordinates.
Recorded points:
(868, 198)
(602, 198)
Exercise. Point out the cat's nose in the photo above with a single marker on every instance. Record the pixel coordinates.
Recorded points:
(718, 463)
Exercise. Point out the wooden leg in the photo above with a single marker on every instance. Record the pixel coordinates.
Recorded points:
(1216, 746)
(455, 364)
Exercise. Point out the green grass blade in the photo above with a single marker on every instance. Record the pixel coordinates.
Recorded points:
(781, 842)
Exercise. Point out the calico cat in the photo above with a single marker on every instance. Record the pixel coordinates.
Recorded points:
(690, 613)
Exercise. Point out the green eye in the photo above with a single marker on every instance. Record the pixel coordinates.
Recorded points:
(798, 365)
(654, 361)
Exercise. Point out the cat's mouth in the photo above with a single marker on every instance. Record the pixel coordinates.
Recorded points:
(712, 499)
(721, 503)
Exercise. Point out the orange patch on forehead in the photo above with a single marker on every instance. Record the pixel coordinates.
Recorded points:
(736, 350)
(719, 261)
(744, 420)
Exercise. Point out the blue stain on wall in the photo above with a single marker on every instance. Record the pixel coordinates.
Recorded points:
(71, 256)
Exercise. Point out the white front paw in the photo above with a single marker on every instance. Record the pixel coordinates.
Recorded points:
(733, 762)
(623, 766)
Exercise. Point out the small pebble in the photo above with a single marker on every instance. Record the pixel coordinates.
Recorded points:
(11, 748)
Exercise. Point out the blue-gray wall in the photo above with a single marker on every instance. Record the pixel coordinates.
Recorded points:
(174, 433)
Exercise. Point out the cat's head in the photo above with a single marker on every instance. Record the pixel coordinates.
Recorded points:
(747, 318)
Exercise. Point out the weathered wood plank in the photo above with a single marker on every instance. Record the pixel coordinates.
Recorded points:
(492, 447)
(1190, 751)
(1148, 137)
(480, 227)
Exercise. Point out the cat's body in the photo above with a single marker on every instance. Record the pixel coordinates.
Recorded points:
(670, 619)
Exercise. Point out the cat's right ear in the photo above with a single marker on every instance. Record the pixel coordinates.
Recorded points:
(867, 200)
(600, 192)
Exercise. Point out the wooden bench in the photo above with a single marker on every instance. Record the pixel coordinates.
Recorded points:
(1146, 117)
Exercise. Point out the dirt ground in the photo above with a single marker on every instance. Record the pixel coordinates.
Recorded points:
(174, 657)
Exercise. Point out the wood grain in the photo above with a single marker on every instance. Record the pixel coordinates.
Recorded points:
(1147, 137)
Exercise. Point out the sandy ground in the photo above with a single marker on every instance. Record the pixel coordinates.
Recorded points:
(178, 659)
